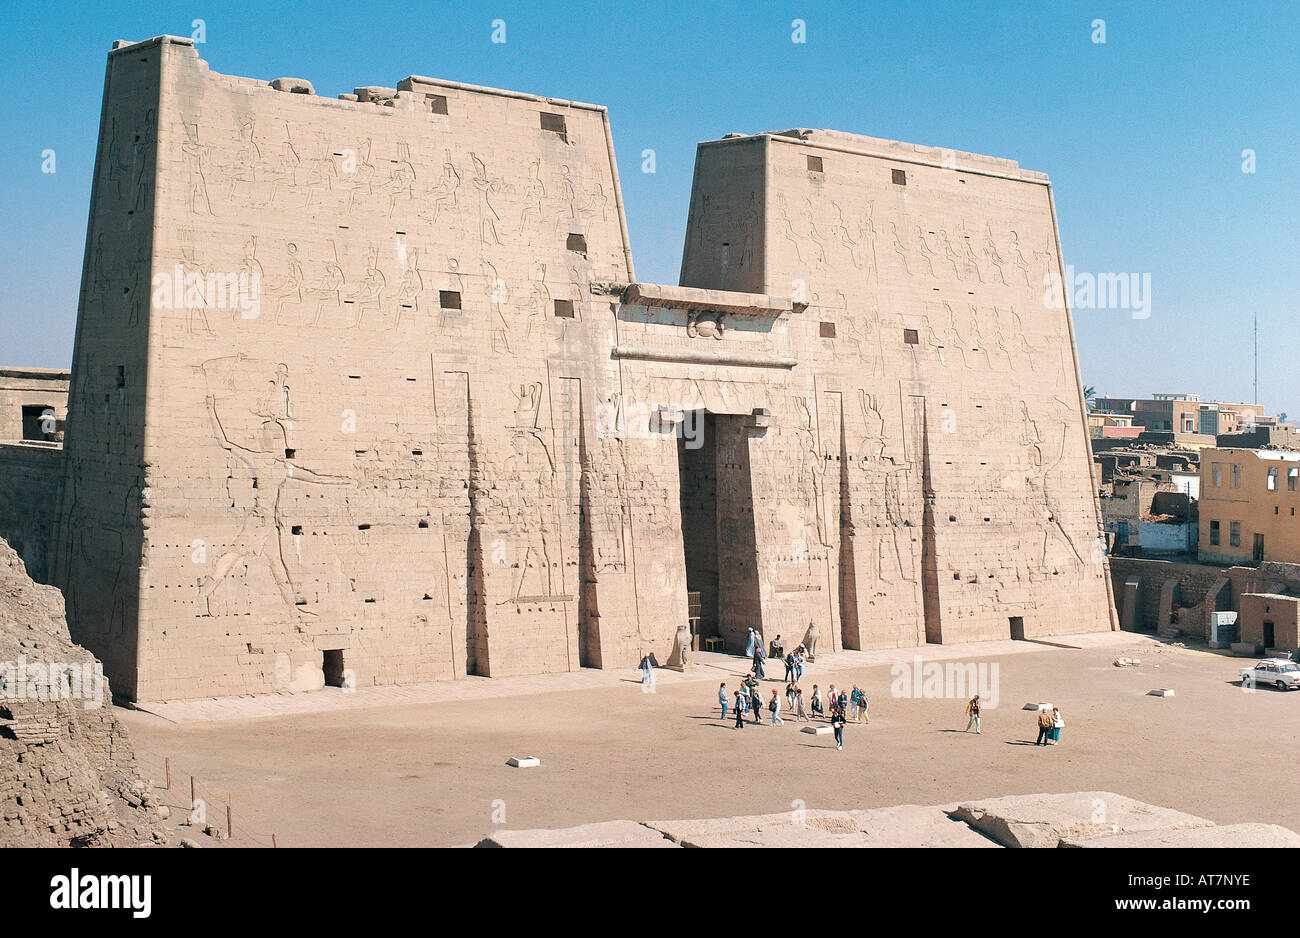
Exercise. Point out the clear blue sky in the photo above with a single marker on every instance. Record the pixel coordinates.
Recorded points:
(1142, 136)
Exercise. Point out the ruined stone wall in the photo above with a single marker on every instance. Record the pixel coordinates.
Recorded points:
(30, 477)
(1194, 582)
(70, 777)
(937, 343)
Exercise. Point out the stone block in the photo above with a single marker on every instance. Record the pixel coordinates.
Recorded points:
(1161, 692)
(599, 834)
(1224, 835)
(523, 762)
(822, 730)
(1044, 820)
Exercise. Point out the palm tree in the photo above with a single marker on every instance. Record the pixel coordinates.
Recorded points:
(1090, 396)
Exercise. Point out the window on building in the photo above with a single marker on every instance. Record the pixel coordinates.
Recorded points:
(1216, 473)
(449, 299)
(899, 176)
(1214, 534)
(576, 243)
(555, 124)
(1236, 476)
(814, 164)
(1234, 534)
(1272, 480)
(437, 103)
(564, 309)
(911, 337)
(827, 330)
(1291, 475)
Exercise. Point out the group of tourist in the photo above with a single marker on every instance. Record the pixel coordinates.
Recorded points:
(1050, 722)
(838, 706)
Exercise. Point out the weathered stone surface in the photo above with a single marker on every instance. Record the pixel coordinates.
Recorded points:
(1045, 820)
(911, 825)
(67, 771)
(600, 834)
(393, 359)
(1224, 835)
(900, 826)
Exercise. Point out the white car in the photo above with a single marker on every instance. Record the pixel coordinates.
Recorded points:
(1279, 672)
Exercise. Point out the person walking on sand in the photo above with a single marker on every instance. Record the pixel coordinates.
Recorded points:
(863, 700)
(758, 663)
(789, 694)
(722, 698)
(1057, 723)
(817, 710)
(774, 705)
(798, 664)
(973, 712)
(800, 713)
(1044, 728)
(647, 671)
(740, 711)
(749, 645)
(789, 667)
(837, 722)
(756, 703)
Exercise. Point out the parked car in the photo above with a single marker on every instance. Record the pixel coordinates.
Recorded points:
(1279, 672)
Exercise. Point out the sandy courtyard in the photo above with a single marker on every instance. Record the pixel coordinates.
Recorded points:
(435, 774)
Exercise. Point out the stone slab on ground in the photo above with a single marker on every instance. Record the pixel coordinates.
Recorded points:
(600, 834)
(911, 825)
(1044, 820)
(822, 730)
(1161, 692)
(898, 826)
(1226, 835)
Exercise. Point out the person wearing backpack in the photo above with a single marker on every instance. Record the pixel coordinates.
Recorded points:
(837, 722)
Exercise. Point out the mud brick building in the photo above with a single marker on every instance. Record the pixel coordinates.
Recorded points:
(366, 390)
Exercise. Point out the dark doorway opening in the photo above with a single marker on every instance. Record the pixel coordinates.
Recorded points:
(717, 511)
(1259, 548)
(698, 471)
(332, 665)
(1268, 635)
(38, 422)
(1017, 628)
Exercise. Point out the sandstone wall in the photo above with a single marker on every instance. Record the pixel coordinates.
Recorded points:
(365, 391)
(937, 345)
(30, 478)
